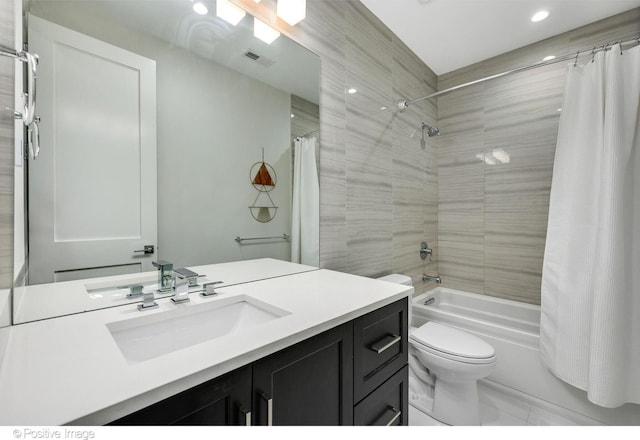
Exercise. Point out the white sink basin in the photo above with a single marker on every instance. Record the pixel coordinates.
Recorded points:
(147, 337)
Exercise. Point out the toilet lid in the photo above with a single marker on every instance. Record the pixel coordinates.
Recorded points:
(452, 341)
(397, 278)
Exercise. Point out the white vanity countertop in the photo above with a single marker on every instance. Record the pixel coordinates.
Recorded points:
(70, 370)
(43, 301)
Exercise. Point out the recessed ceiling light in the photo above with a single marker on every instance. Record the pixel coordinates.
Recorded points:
(264, 32)
(200, 8)
(539, 16)
(291, 11)
(351, 91)
(549, 58)
(229, 12)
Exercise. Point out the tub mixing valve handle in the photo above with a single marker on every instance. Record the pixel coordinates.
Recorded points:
(425, 250)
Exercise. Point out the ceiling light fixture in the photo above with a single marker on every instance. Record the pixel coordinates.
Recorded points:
(200, 8)
(539, 16)
(292, 11)
(264, 32)
(229, 12)
(351, 91)
(549, 58)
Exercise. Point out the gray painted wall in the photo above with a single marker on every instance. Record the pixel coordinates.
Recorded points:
(493, 218)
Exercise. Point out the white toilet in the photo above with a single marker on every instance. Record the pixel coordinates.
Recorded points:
(444, 366)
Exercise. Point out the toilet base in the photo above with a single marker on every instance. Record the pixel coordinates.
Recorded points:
(420, 394)
(456, 403)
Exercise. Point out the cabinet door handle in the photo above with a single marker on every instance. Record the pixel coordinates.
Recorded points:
(385, 343)
(148, 249)
(269, 409)
(244, 412)
(396, 413)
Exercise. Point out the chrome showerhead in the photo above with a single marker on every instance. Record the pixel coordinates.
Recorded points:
(431, 131)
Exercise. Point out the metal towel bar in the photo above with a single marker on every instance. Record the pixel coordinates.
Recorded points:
(283, 237)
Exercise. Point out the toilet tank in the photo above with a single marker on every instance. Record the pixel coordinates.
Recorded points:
(398, 279)
(401, 279)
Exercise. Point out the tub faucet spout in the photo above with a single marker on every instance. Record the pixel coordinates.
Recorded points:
(426, 278)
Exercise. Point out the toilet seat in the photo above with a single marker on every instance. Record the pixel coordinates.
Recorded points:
(451, 343)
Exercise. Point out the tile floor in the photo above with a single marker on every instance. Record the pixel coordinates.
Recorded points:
(500, 406)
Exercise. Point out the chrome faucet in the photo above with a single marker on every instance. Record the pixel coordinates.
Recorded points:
(189, 275)
(166, 277)
(426, 278)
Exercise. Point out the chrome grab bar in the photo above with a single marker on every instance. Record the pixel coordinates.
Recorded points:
(283, 237)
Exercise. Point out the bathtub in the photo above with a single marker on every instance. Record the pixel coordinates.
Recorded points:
(513, 328)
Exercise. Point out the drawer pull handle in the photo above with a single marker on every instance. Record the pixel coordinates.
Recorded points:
(395, 415)
(244, 412)
(385, 343)
(269, 409)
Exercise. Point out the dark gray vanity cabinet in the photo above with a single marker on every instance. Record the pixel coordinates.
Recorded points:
(225, 400)
(387, 405)
(355, 373)
(381, 373)
(310, 383)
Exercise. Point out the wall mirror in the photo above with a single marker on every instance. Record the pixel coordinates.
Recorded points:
(152, 117)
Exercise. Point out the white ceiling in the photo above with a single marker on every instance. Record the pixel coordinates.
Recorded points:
(450, 34)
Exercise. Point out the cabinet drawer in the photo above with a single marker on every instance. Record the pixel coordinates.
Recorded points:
(388, 405)
(380, 346)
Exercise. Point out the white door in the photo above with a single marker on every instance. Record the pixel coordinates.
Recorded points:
(92, 190)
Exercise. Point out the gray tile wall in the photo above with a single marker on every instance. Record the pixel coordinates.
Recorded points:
(492, 219)
(378, 182)
(7, 66)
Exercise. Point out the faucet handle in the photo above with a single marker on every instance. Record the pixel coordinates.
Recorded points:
(208, 289)
(181, 291)
(425, 251)
(135, 290)
(147, 302)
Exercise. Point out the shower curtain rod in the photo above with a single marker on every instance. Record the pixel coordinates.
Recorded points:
(306, 134)
(403, 103)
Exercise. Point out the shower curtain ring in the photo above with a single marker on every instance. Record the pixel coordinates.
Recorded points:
(593, 54)
(576, 61)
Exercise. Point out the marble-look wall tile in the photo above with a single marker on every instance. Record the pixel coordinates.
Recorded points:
(496, 163)
(378, 182)
(7, 66)
(369, 132)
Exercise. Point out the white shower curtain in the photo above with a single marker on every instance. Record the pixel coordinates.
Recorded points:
(590, 323)
(305, 210)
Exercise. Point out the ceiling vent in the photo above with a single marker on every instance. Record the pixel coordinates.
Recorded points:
(263, 61)
(253, 56)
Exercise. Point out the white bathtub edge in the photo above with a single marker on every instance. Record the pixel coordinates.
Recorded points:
(519, 366)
